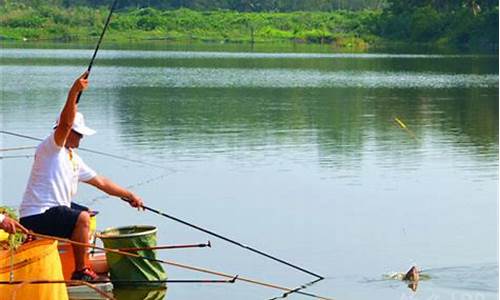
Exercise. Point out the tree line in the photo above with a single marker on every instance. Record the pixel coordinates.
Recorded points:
(457, 23)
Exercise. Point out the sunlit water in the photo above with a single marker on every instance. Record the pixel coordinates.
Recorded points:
(296, 154)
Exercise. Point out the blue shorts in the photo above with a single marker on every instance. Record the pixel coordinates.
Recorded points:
(56, 221)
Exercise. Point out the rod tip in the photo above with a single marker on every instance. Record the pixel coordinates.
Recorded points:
(233, 280)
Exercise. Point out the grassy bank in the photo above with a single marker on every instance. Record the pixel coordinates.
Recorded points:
(342, 29)
(349, 30)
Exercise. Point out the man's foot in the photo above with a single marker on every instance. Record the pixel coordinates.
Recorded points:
(87, 274)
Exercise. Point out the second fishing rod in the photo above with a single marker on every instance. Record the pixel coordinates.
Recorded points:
(229, 240)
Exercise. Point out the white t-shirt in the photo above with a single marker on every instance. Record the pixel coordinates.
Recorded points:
(54, 178)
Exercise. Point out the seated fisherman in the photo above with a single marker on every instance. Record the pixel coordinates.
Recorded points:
(56, 171)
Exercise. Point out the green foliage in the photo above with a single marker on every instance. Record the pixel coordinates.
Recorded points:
(425, 24)
(62, 24)
(22, 17)
(15, 240)
(316, 35)
(459, 23)
(8, 211)
(273, 33)
(148, 19)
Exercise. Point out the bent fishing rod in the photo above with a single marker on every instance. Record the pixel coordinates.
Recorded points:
(227, 240)
(98, 45)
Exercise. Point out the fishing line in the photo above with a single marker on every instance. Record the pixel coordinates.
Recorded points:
(17, 148)
(16, 156)
(94, 151)
(128, 187)
(98, 45)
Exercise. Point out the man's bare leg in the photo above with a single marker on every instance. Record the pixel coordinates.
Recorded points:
(81, 235)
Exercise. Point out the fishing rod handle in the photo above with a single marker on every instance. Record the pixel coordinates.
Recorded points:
(78, 97)
(85, 77)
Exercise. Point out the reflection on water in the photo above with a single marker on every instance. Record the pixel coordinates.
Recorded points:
(139, 294)
(304, 143)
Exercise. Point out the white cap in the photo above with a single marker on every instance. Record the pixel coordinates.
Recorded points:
(79, 125)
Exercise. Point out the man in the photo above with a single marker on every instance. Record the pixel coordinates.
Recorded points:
(57, 169)
(10, 225)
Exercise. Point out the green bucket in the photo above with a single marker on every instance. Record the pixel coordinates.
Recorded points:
(127, 270)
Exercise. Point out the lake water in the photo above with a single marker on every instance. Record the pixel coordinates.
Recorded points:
(294, 153)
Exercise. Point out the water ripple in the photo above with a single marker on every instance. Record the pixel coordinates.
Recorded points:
(112, 77)
(141, 54)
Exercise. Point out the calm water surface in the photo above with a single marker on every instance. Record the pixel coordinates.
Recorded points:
(297, 154)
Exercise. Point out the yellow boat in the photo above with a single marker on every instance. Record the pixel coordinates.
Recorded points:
(46, 260)
(37, 260)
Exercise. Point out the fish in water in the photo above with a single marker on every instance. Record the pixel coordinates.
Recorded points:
(412, 275)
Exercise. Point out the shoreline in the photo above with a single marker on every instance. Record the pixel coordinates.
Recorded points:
(284, 46)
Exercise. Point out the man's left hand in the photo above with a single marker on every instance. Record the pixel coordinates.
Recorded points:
(135, 201)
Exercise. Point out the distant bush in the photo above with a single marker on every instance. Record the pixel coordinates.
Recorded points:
(458, 24)
(273, 33)
(315, 36)
(26, 18)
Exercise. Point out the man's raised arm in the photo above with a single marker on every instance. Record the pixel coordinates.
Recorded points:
(68, 113)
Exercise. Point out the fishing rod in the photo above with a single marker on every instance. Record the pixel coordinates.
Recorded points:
(227, 240)
(71, 282)
(178, 265)
(128, 187)
(302, 287)
(93, 151)
(98, 45)
(208, 244)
